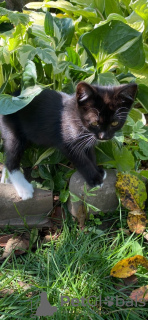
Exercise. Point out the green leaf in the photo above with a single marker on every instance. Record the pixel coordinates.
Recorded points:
(143, 146)
(66, 28)
(9, 104)
(136, 114)
(112, 6)
(115, 38)
(44, 156)
(29, 75)
(68, 8)
(34, 5)
(44, 172)
(64, 194)
(142, 96)
(124, 160)
(90, 206)
(74, 197)
(140, 7)
(96, 4)
(59, 181)
(144, 173)
(26, 52)
(33, 235)
(47, 55)
(1, 157)
(107, 78)
(15, 17)
(73, 57)
(49, 24)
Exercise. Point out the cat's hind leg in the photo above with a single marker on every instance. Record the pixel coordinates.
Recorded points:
(14, 147)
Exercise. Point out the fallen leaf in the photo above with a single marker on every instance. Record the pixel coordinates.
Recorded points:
(81, 215)
(127, 267)
(5, 292)
(130, 280)
(48, 237)
(4, 239)
(24, 285)
(140, 294)
(136, 221)
(132, 192)
(17, 244)
(145, 234)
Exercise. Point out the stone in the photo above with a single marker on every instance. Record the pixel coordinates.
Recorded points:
(105, 200)
(13, 209)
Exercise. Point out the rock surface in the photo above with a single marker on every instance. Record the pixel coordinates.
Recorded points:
(14, 209)
(105, 199)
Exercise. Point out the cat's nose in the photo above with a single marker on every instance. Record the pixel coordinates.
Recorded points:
(101, 135)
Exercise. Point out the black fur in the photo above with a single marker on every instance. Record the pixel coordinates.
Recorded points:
(67, 123)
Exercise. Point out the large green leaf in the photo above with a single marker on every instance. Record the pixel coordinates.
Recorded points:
(142, 96)
(123, 158)
(66, 28)
(26, 52)
(113, 155)
(88, 13)
(29, 75)
(112, 6)
(107, 78)
(96, 4)
(15, 17)
(141, 8)
(9, 104)
(47, 55)
(49, 24)
(115, 38)
(44, 155)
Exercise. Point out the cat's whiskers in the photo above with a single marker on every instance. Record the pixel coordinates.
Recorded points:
(85, 141)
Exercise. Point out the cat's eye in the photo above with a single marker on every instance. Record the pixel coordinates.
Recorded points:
(114, 123)
(94, 124)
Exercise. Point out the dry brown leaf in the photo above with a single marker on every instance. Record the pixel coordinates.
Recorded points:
(4, 239)
(127, 267)
(17, 244)
(5, 292)
(130, 280)
(81, 215)
(145, 234)
(24, 285)
(140, 294)
(136, 221)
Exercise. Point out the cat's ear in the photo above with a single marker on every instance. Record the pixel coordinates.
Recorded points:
(84, 91)
(128, 92)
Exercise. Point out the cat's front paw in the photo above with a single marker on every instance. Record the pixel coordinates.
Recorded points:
(98, 178)
(25, 192)
(102, 172)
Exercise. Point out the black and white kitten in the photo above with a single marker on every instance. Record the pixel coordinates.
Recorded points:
(71, 123)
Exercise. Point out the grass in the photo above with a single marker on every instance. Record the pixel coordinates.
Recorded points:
(75, 265)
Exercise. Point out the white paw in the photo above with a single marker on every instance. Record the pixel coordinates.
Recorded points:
(22, 186)
(25, 192)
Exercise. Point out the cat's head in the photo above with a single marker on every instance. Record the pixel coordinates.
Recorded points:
(103, 110)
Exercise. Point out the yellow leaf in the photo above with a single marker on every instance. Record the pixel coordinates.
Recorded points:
(126, 267)
(132, 191)
(136, 221)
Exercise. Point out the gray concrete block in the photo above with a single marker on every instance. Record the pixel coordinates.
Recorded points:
(105, 199)
(41, 203)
